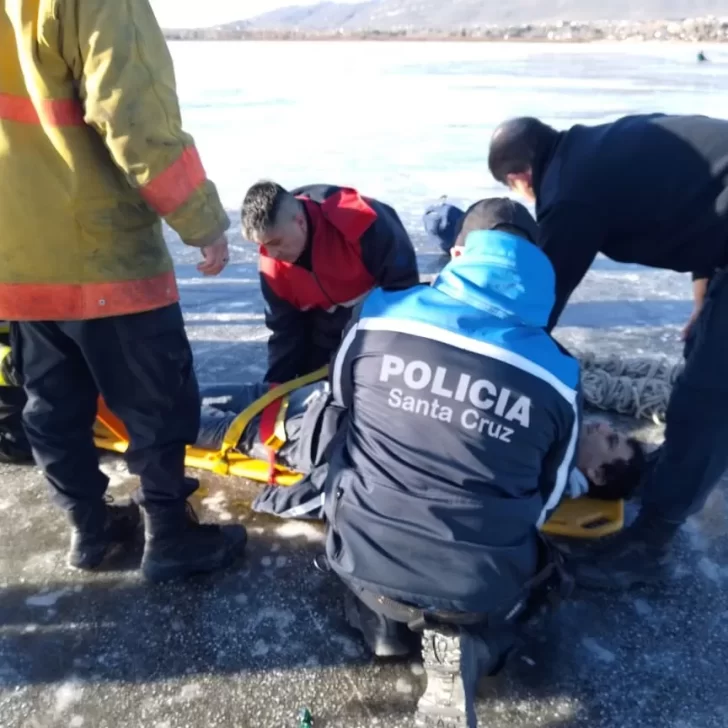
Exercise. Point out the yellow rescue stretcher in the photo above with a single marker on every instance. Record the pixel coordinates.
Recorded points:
(574, 518)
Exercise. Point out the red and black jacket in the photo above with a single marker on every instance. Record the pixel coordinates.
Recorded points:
(355, 244)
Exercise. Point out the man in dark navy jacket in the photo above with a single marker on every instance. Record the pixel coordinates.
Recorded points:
(652, 190)
(322, 249)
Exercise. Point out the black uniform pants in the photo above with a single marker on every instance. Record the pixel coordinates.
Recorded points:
(142, 365)
(694, 456)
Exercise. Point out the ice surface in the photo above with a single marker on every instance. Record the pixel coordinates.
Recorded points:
(407, 123)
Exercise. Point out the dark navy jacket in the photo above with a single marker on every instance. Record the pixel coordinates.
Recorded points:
(460, 433)
(645, 189)
(355, 243)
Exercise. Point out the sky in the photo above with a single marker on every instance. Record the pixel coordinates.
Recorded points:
(193, 13)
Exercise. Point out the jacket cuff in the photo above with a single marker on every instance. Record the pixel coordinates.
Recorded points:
(210, 238)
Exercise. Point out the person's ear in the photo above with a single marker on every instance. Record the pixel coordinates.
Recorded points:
(301, 221)
(521, 183)
(596, 476)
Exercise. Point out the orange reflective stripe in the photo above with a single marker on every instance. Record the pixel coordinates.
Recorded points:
(54, 112)
(173, 187)
(60, 301)
(110, 421)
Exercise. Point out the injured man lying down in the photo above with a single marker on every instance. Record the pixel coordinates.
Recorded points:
(609, 463)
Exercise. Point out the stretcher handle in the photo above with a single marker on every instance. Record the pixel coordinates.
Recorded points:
(238, 425)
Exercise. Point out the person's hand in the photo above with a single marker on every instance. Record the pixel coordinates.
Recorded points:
(691, 322)
(216, 257)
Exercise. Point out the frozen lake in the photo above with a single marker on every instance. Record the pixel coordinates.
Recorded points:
(408, 122)
(250, 646)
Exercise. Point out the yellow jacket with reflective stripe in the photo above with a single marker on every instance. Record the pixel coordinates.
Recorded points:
(92, 154)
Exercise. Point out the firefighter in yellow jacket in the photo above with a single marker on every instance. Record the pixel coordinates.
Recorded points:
(92, 155)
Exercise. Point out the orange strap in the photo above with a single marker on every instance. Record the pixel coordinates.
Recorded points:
(111, 422)
(267, 432)
(53, 112)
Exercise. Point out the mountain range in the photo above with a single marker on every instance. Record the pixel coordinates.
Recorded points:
(444, 15)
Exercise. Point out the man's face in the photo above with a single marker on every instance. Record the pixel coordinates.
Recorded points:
(287, 240)
(599, 445)
(522, 184)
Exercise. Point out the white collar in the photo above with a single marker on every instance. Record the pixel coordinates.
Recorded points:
(578, 484)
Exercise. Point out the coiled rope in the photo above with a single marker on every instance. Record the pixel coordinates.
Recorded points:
(639, 387)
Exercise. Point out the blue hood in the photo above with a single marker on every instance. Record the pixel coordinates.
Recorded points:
(502, 275)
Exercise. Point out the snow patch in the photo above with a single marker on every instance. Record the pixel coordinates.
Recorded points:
(47, 599)
(597, 651)
(348, 647)
(300, 529)
(642, 607)
(216, 503)
(67, 695)
(403, 686)
(260, 649)
(697, 538)
(190, 692)
(710, 570)
(281, 618)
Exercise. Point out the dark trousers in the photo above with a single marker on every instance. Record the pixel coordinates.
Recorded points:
(694, 456)
(497, 639)
(142, 365)
(12, 401)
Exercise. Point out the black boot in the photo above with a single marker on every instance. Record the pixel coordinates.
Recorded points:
(455, 659)
(178, 546)
(384, 637)
(96, 528)
(451, 666)
(639, 555)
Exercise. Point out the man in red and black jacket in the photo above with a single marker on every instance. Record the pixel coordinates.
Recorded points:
(322, 249)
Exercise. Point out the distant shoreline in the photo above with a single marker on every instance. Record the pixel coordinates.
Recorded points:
(431, 39)
(691, 30)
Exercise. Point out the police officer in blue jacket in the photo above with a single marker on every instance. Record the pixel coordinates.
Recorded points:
(459, 434)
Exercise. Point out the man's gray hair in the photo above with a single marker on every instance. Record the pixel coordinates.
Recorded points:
(265, 206)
